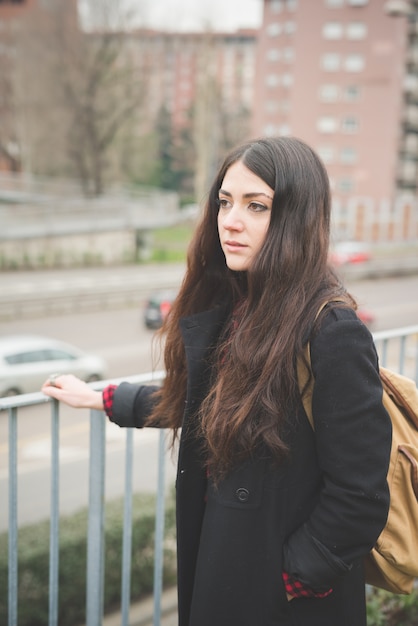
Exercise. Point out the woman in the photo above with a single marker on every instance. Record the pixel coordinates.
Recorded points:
(273, 520)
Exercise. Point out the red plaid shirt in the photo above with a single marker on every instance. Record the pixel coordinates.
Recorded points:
(296, 589)
(107, 395)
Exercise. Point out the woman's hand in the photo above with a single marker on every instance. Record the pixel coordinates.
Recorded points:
(73, 391)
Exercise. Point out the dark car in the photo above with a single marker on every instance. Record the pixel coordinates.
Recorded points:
(157, 307)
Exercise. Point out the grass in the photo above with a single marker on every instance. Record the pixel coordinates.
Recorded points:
(170, 244)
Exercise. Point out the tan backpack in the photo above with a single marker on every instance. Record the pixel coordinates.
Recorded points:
(393, 562)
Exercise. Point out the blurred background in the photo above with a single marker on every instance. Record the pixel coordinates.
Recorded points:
(107, 101)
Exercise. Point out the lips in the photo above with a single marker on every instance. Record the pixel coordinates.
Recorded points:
(234, 245)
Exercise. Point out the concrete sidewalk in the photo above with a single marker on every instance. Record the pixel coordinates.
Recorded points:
(142, 613)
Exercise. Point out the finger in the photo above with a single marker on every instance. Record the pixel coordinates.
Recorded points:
(56, 380)
(52, 392)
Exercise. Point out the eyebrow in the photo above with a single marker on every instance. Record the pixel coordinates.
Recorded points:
(252, 194)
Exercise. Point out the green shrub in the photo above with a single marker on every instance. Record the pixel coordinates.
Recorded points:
(33, 563)
(387, 609)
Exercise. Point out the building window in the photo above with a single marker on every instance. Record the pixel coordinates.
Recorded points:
(271, 106)
(272, 80)
(291, 5)
(331, 62)
(273, 54)
(357, 3)
(348, 156)
(290, 28)
(327, 124)
(350, 124)
(352, 93)
(276, 6)
(288, 55)
(329, 93)
(326, 153)
(270, 130)
(334, 4)
(354, 63)
(345, 185)
(274, 30)
(332, 30)
(356, 30)
(411, 83)
(287, 80)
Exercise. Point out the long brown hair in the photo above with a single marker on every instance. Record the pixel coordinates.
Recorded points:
(256, 387)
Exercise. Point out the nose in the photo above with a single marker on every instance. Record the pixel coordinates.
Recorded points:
(232, 220)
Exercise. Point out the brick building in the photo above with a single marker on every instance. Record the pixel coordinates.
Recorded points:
(336, 73)
(175, 65)
(341, 74)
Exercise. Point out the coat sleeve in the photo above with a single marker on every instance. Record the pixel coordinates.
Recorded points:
(353, 442)
(132, 404)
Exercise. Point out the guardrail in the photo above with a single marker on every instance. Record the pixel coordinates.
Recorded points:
(95, 531)
(397, 349)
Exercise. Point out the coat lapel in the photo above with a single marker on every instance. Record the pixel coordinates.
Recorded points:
(200, 334)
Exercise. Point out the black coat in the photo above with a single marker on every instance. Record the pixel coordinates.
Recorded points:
(314, 516)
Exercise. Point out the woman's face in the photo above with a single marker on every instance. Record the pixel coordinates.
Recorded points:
(245, 202)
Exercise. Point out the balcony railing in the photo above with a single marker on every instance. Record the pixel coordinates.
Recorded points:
(398, 349)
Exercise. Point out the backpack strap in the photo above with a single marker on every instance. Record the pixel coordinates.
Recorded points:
(304, 371)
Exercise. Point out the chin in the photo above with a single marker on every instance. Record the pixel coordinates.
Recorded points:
(236, 266)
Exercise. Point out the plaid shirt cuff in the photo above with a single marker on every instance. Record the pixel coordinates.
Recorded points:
(298, 590)
(107, 395)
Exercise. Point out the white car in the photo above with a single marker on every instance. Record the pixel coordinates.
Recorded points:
(26, 361)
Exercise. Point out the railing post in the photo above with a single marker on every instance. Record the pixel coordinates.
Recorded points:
(159, 531)
(95, 533)
(13, 544)
(54, 524)
(127, 531)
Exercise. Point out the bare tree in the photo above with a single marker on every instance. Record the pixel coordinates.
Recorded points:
(86, 92)
(10, 148)
(206, 116)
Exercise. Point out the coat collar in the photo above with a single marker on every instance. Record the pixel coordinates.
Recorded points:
(200, 334)
(201, 330)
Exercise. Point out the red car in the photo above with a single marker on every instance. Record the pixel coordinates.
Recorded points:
(345, 252)
(366, 316)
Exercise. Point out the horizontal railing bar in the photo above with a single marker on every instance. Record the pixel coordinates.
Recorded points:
(30, 399)
(396, 332)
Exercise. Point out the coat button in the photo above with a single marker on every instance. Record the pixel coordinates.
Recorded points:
(242, 494)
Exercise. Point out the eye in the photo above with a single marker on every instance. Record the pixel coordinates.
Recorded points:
(223, 203)
(258, 207)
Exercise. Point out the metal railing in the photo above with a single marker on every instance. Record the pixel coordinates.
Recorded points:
(96, 511)
(398, 349)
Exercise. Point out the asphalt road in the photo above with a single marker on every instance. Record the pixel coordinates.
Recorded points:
(120, 337)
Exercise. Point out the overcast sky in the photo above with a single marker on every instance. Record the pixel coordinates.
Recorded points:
(196, 14)
(193, 14)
